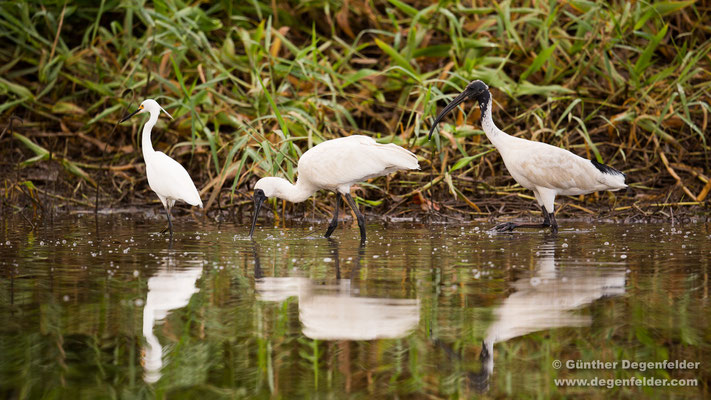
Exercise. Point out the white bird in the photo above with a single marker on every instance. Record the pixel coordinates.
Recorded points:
(336, 165)
(166, 177)
(546, 170)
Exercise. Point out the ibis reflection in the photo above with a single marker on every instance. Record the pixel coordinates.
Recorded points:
(549, 299)
(170, 289)
(335, 312)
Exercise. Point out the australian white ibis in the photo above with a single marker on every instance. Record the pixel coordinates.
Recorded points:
(166, 176)
(336, 165)
(546, 170)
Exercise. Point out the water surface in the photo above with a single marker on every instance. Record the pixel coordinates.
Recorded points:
(110, 308)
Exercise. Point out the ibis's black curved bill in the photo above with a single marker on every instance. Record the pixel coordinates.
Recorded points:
(130, 115)
(259, 198)
(449, 107)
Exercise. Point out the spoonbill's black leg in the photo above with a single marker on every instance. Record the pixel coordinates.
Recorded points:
(548, 221)
(334, 222)
(361, 218)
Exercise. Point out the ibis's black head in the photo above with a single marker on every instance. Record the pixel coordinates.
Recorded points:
(259, 198)
(475, 90)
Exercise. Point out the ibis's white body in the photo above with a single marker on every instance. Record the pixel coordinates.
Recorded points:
(338, 164)
(548, 170)
(166, 177)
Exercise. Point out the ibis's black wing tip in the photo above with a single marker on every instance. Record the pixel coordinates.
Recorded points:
(606, 169)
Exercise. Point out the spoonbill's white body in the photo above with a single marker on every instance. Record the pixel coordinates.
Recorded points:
(336, 165)
(546, 170)
(166, 177)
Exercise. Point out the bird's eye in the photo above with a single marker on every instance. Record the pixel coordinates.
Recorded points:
(140, 107)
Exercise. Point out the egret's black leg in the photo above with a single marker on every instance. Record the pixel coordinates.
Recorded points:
(334, 222)
(548, 221)
(361, 218)
(170, 224)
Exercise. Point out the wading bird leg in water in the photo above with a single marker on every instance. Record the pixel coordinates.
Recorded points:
(167, 206)
(548, 221)
(359, 216)
(334, 222)
(170, 224)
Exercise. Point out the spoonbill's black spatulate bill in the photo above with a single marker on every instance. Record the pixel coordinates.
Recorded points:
(546, 170)
(166, 176)
(336, 165)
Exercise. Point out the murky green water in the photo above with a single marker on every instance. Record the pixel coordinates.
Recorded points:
(109, 309)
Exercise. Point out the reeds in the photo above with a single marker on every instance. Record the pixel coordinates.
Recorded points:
(252, 88)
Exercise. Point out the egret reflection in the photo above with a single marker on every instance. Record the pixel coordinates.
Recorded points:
(336, 312)
(171, 288)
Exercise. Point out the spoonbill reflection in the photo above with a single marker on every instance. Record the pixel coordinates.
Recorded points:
(335, 312)
(168, 290)
(546, 170)
(166, 177)
(336, 165)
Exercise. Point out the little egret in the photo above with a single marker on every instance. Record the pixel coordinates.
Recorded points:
(546, 170)
(336, 165)
(166, 176)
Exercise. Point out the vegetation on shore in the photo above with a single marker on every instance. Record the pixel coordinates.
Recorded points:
(252, 85)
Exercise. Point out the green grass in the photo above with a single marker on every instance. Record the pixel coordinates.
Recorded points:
(251, 89)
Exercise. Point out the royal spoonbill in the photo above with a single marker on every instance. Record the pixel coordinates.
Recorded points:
(336, 165)
(546, 170)
(166, 176)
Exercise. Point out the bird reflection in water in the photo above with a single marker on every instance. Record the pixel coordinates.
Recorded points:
(335, 312)
(171, 288)
(547, 300)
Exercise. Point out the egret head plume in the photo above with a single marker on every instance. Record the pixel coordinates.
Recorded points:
(148, 105)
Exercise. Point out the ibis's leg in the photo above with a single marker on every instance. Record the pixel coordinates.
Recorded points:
(548, 221)
(361, 218)
(334, 222)
(553, 223)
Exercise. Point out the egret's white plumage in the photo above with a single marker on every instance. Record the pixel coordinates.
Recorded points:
(166, 177)
(546, 170)
(336, 165)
